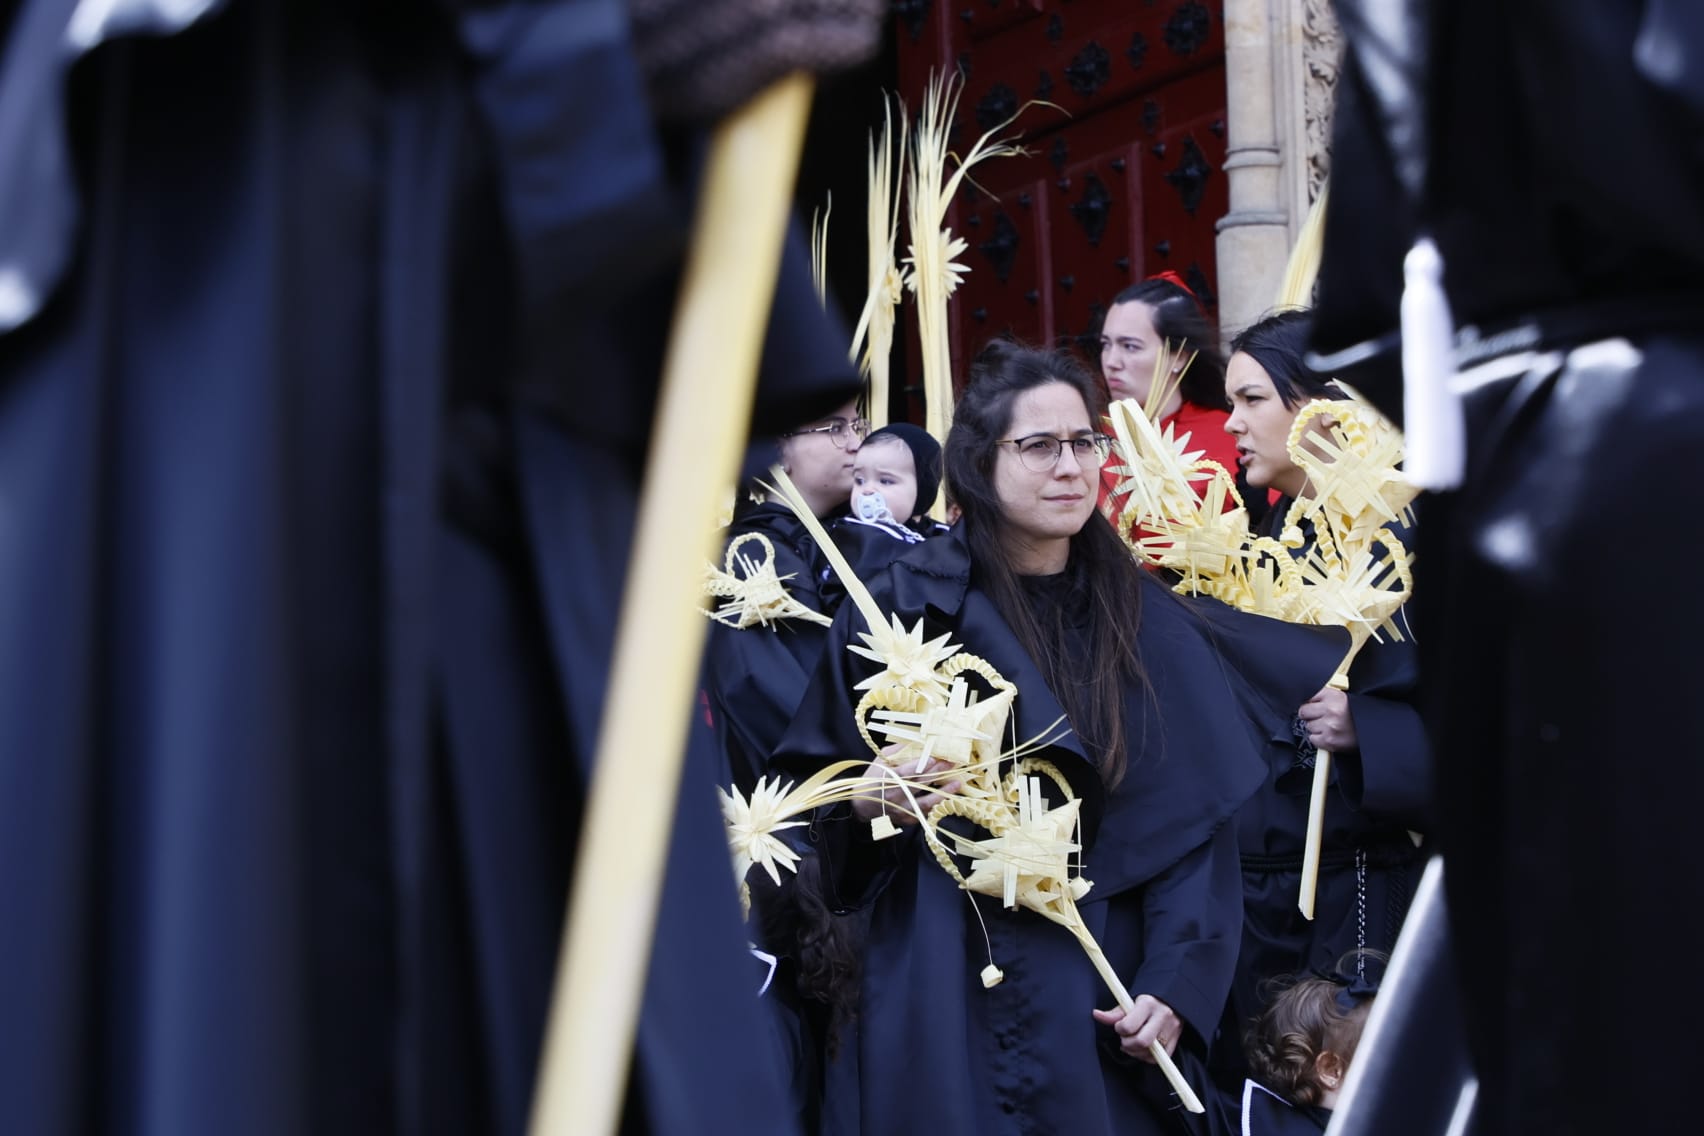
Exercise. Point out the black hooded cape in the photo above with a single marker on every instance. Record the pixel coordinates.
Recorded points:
(1369, 864)
(1026, 1056)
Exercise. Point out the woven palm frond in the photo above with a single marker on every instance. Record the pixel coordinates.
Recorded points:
(819, 251)
(934, 271)
(754, 595)
(1302, 269)
(872, 340)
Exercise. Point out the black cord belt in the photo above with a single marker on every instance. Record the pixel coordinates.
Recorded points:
(1388, 855)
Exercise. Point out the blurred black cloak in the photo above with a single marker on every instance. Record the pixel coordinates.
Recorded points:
(1554, 150)
(329, 334)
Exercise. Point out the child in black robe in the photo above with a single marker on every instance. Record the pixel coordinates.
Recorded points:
(1299, 1052)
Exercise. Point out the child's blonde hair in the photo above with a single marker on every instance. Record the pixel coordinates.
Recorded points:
(1309, 1017)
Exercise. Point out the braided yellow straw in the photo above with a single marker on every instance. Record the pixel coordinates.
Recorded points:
(1026, 862)
(755, 594)
(1026, 859)
(872, 341)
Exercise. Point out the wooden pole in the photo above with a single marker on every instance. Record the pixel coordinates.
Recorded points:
(709, 377)
(1316, 812)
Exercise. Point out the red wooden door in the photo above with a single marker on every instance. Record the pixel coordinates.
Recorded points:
(1129, 184)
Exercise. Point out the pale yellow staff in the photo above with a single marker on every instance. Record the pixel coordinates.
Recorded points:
(1353, 470)
(705, 400)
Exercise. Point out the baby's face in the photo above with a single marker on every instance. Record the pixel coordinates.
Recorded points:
(886, 470)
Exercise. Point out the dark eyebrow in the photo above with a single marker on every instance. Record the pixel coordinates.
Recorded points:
(1078, 433)
(1246, 387)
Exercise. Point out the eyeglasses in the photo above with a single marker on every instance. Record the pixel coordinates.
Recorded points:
(836, 429)
(1040, 452)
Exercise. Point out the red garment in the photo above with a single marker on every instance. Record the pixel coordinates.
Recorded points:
(1206, 429)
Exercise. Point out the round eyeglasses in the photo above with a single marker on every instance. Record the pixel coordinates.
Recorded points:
(837, 429)
(1040, 452)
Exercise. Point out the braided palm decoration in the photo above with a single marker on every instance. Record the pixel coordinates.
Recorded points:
(753, 594)
(923, 702)
(1356, 574)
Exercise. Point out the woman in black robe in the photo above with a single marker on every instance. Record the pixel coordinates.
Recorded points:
(1380, 756)
(1160, 750)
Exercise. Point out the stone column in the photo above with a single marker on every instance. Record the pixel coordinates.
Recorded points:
(1254, 236)
(1280, 65)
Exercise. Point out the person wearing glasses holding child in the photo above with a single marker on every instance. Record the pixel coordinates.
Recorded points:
(754, 676)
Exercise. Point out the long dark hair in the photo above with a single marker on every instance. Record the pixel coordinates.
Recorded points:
(798, 921)
(1278, 341)
(1091, 690)
(1179, 320)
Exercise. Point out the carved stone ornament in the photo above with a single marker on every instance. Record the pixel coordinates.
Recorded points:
(1322, 48)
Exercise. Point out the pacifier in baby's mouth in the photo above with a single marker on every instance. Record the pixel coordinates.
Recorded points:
(872, 507)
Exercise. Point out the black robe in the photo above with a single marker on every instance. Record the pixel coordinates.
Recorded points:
(1559, 677)
(328, 364)
(1255, 1110)
(754, 677)
(936, 1052)
(754, 681)
(1369, 864)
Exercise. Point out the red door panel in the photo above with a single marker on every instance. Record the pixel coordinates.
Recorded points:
(1129, 183)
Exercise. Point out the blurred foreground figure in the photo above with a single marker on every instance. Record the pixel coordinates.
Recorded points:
(329, 338)
(1554, 151)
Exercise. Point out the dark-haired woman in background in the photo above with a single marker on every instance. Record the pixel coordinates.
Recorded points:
(1267, 383)
(1160, 748)
(1380, 756)
(1150, 317)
